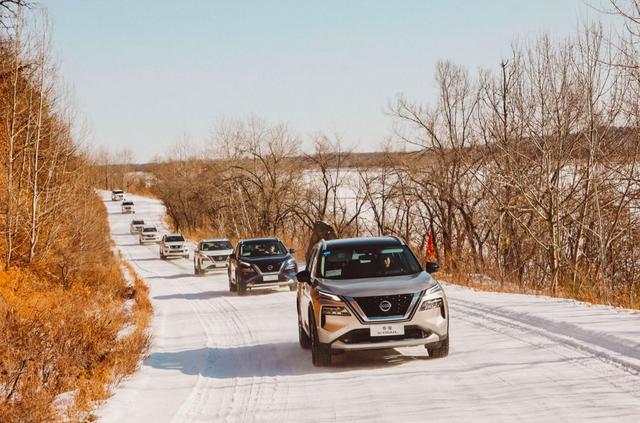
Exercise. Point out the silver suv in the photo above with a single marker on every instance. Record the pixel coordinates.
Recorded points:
(369, 293)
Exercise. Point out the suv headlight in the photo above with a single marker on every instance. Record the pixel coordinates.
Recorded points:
(290, 264)
(436, 287)
(335, 311)
(324, 295)
(429, 304)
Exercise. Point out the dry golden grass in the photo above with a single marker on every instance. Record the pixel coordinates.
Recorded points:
(67, 338)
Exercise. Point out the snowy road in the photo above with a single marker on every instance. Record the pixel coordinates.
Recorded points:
(216, 357)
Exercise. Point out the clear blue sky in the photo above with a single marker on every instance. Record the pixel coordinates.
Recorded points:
(146, 71)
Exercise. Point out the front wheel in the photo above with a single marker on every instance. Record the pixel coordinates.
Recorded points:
(303, 337)
(241, 286)
(162, 256)
(320, 353)
(440, 350)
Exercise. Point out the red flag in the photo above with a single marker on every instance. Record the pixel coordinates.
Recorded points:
(431, 251)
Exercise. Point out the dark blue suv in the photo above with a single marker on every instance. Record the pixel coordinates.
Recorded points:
(261, 263)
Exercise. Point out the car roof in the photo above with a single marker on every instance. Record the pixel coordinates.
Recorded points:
(362, 241)
(242, 241)
(214, 239)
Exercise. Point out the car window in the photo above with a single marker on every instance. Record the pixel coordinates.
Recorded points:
(149, 230)
(367, 262)
(311, 267)
(174, 238)
(138, 222)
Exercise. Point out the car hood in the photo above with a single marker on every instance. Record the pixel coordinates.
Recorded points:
(370, 287)
(216, 253)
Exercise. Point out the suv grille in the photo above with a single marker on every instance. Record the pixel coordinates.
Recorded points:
(264, 266)
(220, 258)
(371, 305)
(360, 336)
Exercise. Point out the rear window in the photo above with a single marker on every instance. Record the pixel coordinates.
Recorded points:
(367, 262)
(174, 238)
(149, 230)
(215, 245)
(137, 222)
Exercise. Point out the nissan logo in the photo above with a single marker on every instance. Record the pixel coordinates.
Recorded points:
(385, 305)
(269, 267)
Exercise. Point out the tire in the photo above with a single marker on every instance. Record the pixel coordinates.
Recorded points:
(232, 286)
(439, 351)
(241, 286)
(320, 353)
(303, 337)
(162, 256)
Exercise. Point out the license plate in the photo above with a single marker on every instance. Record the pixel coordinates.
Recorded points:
(387, 330)
(269, 278)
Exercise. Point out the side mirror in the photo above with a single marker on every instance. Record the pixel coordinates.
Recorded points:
(292, 250)
(432, 267)
(304, 276)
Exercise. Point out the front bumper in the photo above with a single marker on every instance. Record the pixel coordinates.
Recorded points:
(206, 264)
(269, 280)
(175, 252)
(153, 240)
(352, 333)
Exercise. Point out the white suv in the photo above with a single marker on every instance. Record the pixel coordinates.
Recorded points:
(149, 233)
(173, 245)
(136, 226)
(117, 195)
(127, 207)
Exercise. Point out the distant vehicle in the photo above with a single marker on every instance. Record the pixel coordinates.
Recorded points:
(117, 195)
(261, 263)
(127, 207)
(369, 293)
(173, 245)
(149, 233)
(136, 226)
(211, 254)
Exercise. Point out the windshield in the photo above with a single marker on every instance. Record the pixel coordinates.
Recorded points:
(215, 245)
(127, 203)
(149, 230)
(137, 222)
(262, 249)
(117, 191)
(174, 238)
(367, 262)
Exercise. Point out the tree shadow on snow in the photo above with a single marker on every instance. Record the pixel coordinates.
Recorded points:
(268, 360)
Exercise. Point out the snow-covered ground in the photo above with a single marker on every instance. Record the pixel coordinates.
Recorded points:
(217, 357)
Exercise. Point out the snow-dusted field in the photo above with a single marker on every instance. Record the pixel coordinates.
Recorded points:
(216, 357)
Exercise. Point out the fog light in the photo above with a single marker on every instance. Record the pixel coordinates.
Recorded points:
(429, 304)
(335, 311)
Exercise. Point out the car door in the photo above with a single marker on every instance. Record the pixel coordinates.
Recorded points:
(307, 288)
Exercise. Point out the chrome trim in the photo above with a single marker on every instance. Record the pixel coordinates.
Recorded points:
(362, 317)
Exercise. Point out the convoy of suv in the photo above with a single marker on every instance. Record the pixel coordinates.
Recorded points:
(354, 294)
